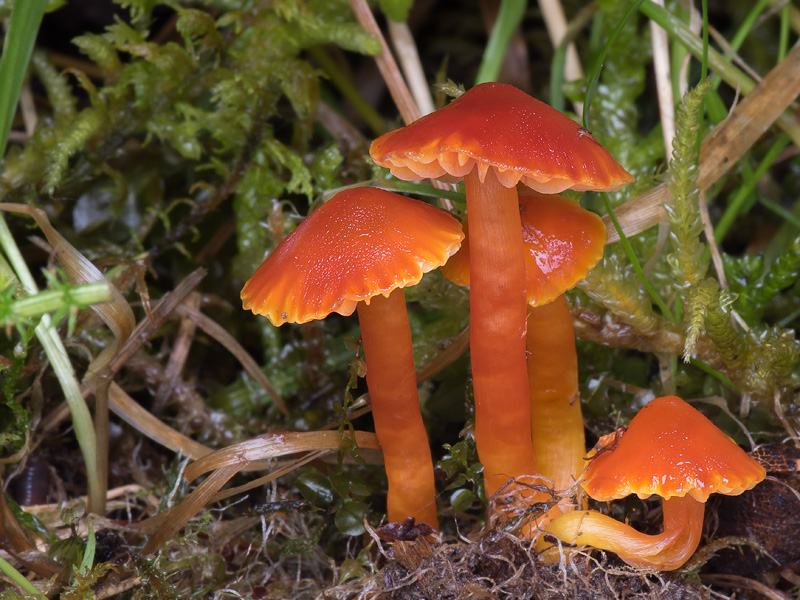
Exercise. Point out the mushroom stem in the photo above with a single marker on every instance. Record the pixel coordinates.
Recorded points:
(386, 335)
(556, 419)
(682, 529)
(497, 331)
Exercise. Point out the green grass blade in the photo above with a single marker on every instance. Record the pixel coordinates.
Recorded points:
(724, 380)
(594, 80)
(780, 211)
(508, 19)
(557, 99)
(704, 63)
(15, 576)
(17, 48)
(637, 267)
(739, 199)
(783, 44)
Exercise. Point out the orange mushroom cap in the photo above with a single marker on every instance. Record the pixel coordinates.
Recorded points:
(361, 243)
(563, 242)
(669, 449)
(497, 125)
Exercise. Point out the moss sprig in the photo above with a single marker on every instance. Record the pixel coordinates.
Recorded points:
(773, 357)
(101, 51)
(698, 303)
(57, 87)
(89, 123)
(686, 260)
(783, 273)
(730, 342)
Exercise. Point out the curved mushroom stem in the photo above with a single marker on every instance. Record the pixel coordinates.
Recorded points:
(683, 527)
(392, 384)
(497, 331)
(556, 420)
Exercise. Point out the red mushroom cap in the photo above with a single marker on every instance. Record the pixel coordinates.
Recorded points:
(497, 125)
(563, 242)
(361, 243)
(669, 449)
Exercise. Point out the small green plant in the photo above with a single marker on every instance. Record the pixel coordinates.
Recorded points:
(465, 483)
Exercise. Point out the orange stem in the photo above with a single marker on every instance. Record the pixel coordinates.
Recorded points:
(386, 336)
(556, 419)
(498, 310)
(683, 528)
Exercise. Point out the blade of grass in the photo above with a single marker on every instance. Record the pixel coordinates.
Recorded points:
(17, 49)
(747, 24)
(396, 185)
(743, 31)
(345, 85)
(52, 300)
(15, 576)
(557, 70)
(420, 189)
(783, 43)
(88, 554)
(598, 63)
(746, 188)
(714, 373)
(637, 267)
(704, 63)
(780, 211)
(508, 19)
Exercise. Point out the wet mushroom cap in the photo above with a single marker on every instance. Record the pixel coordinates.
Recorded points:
(497, 125)
(563, 242)
(361, 243)
(669, 449)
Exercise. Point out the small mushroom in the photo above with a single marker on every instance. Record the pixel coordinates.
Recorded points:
(494, 136)
(671, 450)
(356, 252)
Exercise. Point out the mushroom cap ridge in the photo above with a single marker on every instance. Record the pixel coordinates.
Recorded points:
(669, 449)
(499, 126)
(361, 243)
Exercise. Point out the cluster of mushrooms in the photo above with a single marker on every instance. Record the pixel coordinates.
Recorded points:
(361, 248)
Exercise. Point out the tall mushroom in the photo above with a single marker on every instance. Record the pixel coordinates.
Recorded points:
(356, 252)
(562, 243)
(671, 450)
(495, 136)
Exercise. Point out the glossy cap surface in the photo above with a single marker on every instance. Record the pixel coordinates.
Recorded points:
(361, 243)
(495, 125)
(562, 241)
(669, 449)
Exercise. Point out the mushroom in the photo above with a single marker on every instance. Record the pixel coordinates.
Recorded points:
(356, 252)
(495, 136)
(562, 243)
(671, 450)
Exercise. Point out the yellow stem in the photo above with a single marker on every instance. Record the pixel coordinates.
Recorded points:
(666, 551)
(556, 419)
